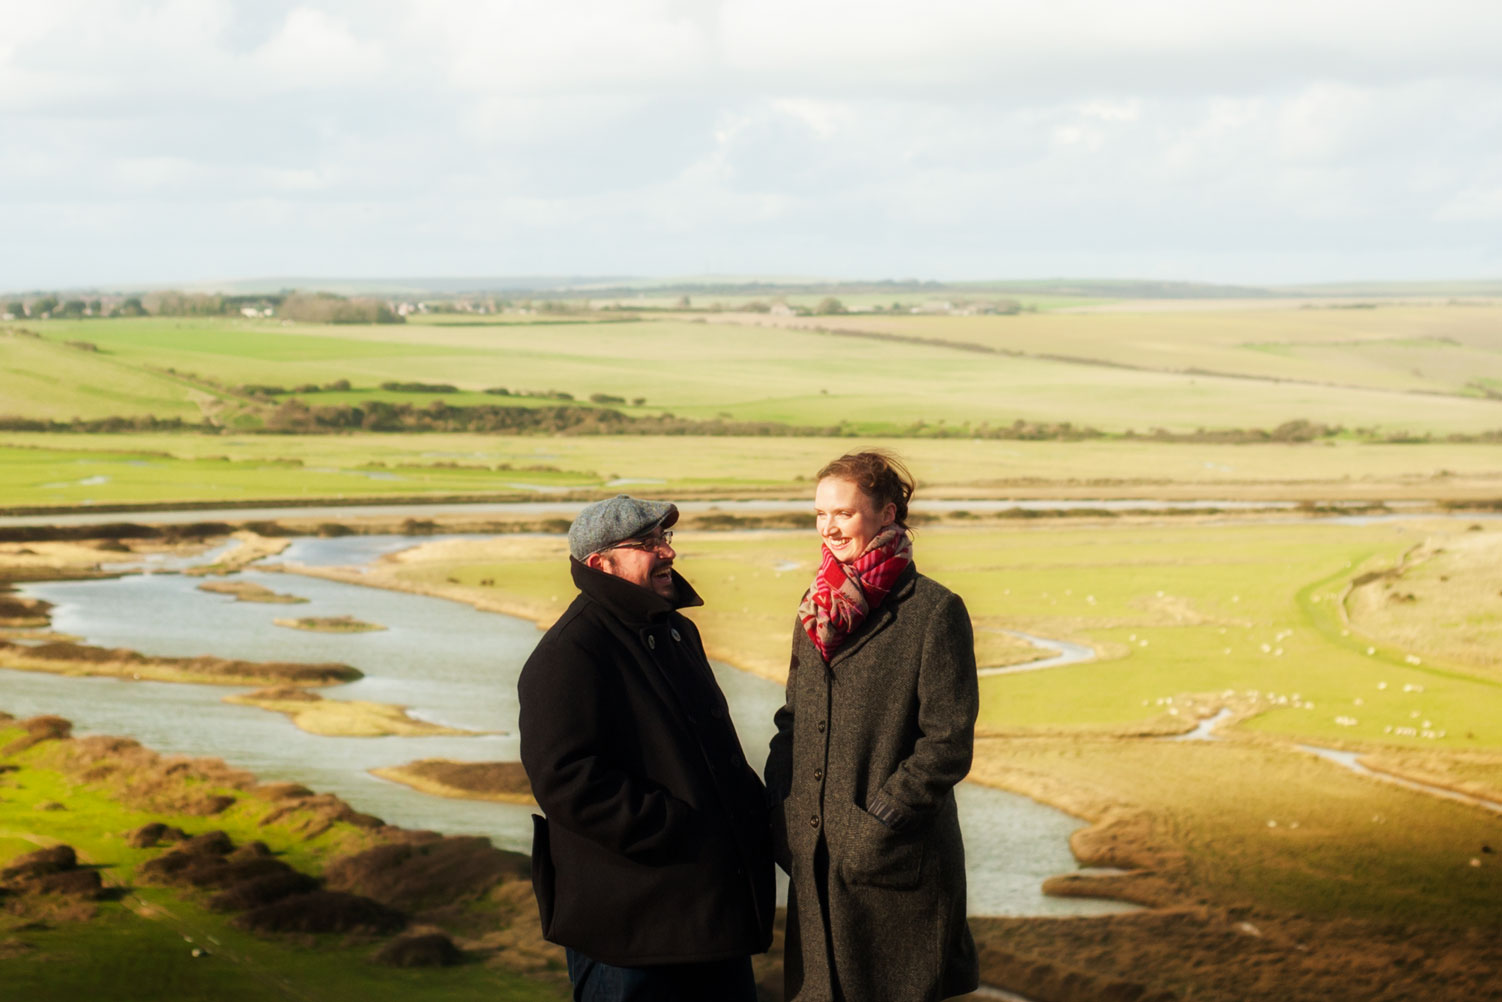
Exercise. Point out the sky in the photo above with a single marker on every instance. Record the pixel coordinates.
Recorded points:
(1275, 141)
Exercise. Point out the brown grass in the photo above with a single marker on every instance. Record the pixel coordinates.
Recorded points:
(505, 782)
(64, 658)
(18, 612)
(1217, 955)
(247, 591)
(1444, 601)
(340, 717)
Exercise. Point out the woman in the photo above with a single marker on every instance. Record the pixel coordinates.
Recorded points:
(878, 727)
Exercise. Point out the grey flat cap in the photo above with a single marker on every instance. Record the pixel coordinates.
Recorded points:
(622, 517)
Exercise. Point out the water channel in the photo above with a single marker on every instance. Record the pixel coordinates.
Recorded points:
(448, 663)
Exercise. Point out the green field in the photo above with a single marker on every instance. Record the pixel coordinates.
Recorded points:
(53, 470)
(47, 379)
(1416, 369)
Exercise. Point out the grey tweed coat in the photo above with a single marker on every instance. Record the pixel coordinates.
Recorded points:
(866, 756)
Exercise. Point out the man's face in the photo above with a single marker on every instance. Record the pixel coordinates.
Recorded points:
(646, 561)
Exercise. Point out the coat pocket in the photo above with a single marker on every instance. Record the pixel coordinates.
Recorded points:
(542, 872)
(876, 856)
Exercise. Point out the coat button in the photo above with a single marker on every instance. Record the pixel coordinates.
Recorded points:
(676, 635)
(818, 774)
(813, 822)
(821, 727)
(651, 643)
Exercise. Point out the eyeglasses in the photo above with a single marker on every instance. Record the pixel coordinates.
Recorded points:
(649, 543)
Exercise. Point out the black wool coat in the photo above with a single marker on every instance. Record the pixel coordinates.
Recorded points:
(656, 848)
(865, 760)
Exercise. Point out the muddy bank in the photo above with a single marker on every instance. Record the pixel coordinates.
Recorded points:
(245, 591)
(64, 658)
(343, 718)
(505, 782)
(249, 548)
(328, 624)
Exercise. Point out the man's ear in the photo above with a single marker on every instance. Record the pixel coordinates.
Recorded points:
(595, 560)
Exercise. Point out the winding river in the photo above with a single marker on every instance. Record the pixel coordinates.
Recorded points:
(450, 664)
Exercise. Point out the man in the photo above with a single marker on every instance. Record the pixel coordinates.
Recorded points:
(653, 867)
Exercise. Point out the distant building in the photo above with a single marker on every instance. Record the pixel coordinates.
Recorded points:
(782, 310)
(935, 306)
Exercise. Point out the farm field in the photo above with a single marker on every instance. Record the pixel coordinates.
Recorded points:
(1430, 348)
(56, 470)
(1255, 370)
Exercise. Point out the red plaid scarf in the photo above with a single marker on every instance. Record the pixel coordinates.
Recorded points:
(843, 595)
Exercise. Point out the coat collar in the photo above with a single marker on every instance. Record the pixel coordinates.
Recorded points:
(630, 602)
(881, 618)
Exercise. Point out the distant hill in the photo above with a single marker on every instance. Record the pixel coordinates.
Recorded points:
(1473, 287)
(607, 286)
(620, 286)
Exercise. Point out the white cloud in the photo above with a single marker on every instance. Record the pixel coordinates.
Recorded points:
(876, 138)
(314, 48)
(522, 47)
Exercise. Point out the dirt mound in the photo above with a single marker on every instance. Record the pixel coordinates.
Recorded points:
(153, 834)
(53, 870)
(317, 814)
(70, 883)
(38, 729)
(263, 890)
(427, 874)
(246, 877)
(323, 911)
(251, 850)
(431, 949)
(282, 791)
(54, 859)
(209, 843)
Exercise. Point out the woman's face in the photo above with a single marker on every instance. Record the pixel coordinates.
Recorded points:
(847, 519)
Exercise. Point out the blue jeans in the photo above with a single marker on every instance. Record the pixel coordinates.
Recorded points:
(715, 981)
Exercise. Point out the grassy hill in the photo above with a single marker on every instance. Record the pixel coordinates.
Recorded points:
(1423, 369)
